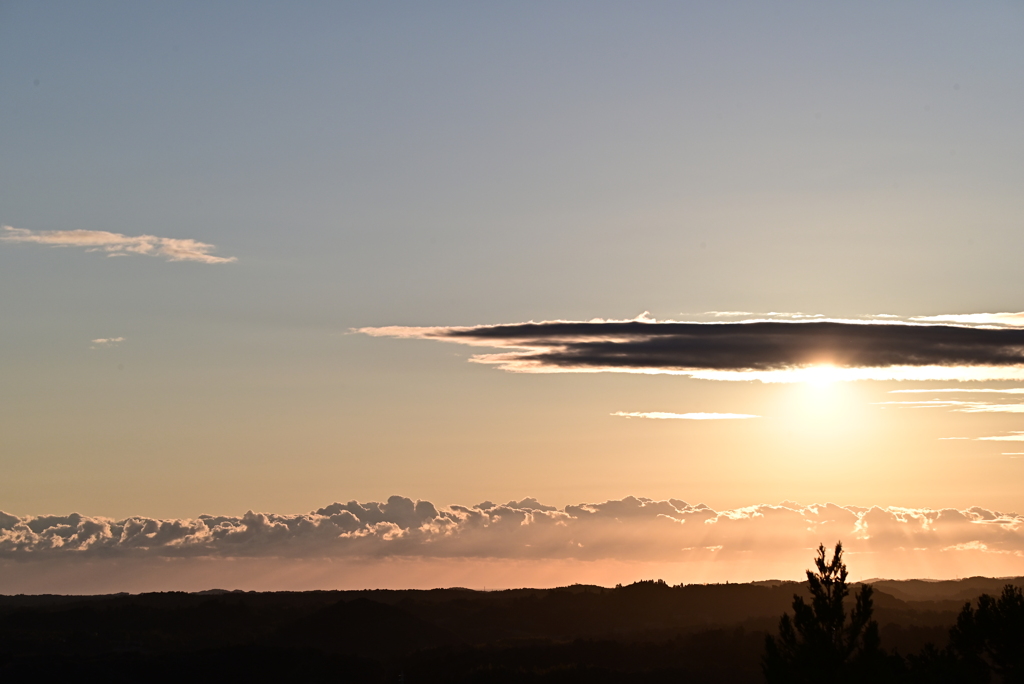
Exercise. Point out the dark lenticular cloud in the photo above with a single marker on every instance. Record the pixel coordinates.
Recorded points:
(762, 346)
(755, 346)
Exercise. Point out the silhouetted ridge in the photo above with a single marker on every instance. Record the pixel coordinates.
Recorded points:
(362, 626)
(647, 631)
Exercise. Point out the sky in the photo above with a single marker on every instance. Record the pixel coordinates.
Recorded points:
(591, 286)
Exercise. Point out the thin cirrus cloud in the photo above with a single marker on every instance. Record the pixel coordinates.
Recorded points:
(108, 341)
(662, 415)
(116, 244)
(1016, 436)
(1004, 318)
(795, 315)
(1013, 436)
(957, 390)
(959, 406)
(767, 350)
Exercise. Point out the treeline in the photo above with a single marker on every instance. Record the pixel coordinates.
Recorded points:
(643, 632)
(828, 640)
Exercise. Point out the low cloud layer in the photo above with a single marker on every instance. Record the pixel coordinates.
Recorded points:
(633, 528)
(759, 349)
(662, 415)
(116, 244)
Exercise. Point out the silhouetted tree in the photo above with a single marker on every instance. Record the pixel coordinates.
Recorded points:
(819, 644)
(934, 666)
(992, 637)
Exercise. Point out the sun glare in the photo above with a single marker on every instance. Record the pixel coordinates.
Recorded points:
(821, 376)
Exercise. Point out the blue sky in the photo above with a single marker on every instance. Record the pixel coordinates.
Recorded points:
(457, 164)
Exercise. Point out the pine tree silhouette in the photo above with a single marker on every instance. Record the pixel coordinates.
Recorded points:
(991, 637)
(818, 644)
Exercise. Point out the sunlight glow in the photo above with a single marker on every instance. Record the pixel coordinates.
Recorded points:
(837, 374)
(663, 415)
(821, 376)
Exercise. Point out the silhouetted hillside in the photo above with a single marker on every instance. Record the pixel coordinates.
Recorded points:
(647, 631)
(944, 590)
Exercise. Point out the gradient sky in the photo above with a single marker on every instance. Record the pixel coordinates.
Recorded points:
(204, 202)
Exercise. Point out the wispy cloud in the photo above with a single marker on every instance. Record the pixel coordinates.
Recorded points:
(959, 406)
(661, 415)
(107, 342)
(793, 315)
(1013, 436)
(116, 244)
(1005, 318)
(1017, 436)
(959, 390)
(771, 351)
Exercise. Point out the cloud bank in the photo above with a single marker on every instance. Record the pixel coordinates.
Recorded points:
(778, 351)
(632, 528)
(404, 543)
(116, 244)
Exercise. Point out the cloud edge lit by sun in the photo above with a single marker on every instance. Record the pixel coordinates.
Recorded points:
(976, 347)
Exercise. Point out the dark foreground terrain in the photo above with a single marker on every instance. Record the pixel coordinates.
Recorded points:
(644, 632)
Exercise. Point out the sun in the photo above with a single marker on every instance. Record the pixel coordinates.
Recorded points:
(821, 376)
